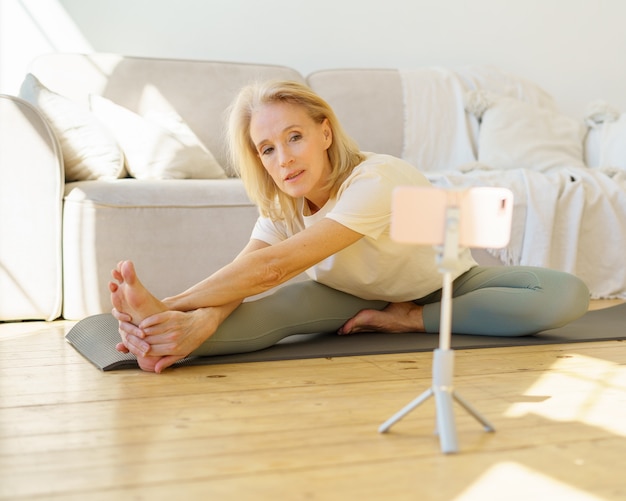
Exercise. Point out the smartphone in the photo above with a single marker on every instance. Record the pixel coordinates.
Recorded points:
(419, 215)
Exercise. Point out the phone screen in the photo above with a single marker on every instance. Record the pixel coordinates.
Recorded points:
(419, 215)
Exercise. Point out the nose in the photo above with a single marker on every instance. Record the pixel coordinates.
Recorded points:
(285, 158)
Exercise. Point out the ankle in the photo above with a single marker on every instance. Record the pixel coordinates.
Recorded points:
(416, 317)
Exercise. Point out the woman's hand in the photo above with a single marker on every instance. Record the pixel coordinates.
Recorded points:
(164, 338)
(173, 335)
(132, 342)
(131, 335)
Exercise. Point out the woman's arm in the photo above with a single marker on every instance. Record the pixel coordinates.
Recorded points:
(167, 332)
(260, 267)
(193, 316)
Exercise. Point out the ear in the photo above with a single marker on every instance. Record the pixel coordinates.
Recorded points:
(328, 133)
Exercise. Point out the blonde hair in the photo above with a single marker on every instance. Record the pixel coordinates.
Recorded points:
(343, 153)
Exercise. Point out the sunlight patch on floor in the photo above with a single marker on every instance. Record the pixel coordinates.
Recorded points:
(516, 482)
(571, 395)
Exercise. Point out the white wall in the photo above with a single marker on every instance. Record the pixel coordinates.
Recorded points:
(29, 28)
(575, 49)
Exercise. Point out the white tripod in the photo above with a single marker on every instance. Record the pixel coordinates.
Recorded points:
(455, 203)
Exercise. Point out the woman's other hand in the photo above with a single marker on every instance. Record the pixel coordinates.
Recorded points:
(173, 335)
(133, 342)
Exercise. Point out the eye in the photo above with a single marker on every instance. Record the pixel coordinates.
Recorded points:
(267, 150)
(295, 137)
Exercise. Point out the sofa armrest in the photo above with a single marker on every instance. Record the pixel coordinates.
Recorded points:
(31, 197)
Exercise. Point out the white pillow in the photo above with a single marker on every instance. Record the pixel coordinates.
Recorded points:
(606, 138)
(157, 147)
(516, 134)
(89, 149)
(613, 144)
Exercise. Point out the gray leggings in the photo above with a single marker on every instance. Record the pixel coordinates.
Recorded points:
(495, 301)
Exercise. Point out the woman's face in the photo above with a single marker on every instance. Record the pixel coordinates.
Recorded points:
(294, 150)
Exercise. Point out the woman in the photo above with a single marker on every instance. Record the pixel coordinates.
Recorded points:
(325, 209)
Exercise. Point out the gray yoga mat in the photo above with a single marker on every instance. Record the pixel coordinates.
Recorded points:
(95, 338)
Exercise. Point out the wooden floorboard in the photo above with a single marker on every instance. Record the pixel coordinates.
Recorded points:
(307, 429)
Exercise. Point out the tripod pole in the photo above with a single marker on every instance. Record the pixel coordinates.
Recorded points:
(443, 372)
(445, 318)
(443, 357)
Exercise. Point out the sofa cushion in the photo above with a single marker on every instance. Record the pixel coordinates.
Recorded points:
(159, 145)
(89, 149)
(368, 103)
(152, 193)
(517, 134)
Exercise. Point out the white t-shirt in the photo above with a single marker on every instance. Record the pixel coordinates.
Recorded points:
(375, 267)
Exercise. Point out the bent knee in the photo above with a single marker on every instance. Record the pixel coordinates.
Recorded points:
(579, 295)
(572, 297)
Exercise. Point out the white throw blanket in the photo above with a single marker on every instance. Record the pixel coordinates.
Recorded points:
(570, 219)
(438, 134)
(566, 218)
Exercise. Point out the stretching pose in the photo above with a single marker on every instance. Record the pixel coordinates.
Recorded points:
(325, 210)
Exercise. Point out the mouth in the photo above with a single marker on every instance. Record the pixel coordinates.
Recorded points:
(293, 176)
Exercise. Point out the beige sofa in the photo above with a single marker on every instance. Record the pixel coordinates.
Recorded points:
(61, 232)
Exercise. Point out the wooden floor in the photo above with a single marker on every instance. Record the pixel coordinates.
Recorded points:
(307, 430)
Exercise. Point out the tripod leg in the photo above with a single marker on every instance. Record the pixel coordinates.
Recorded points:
(405, 410)
(446, 426)
(443, 369)
(473, 412)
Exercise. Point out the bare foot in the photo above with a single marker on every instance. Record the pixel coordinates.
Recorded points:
(129, 295)
(396, 317)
